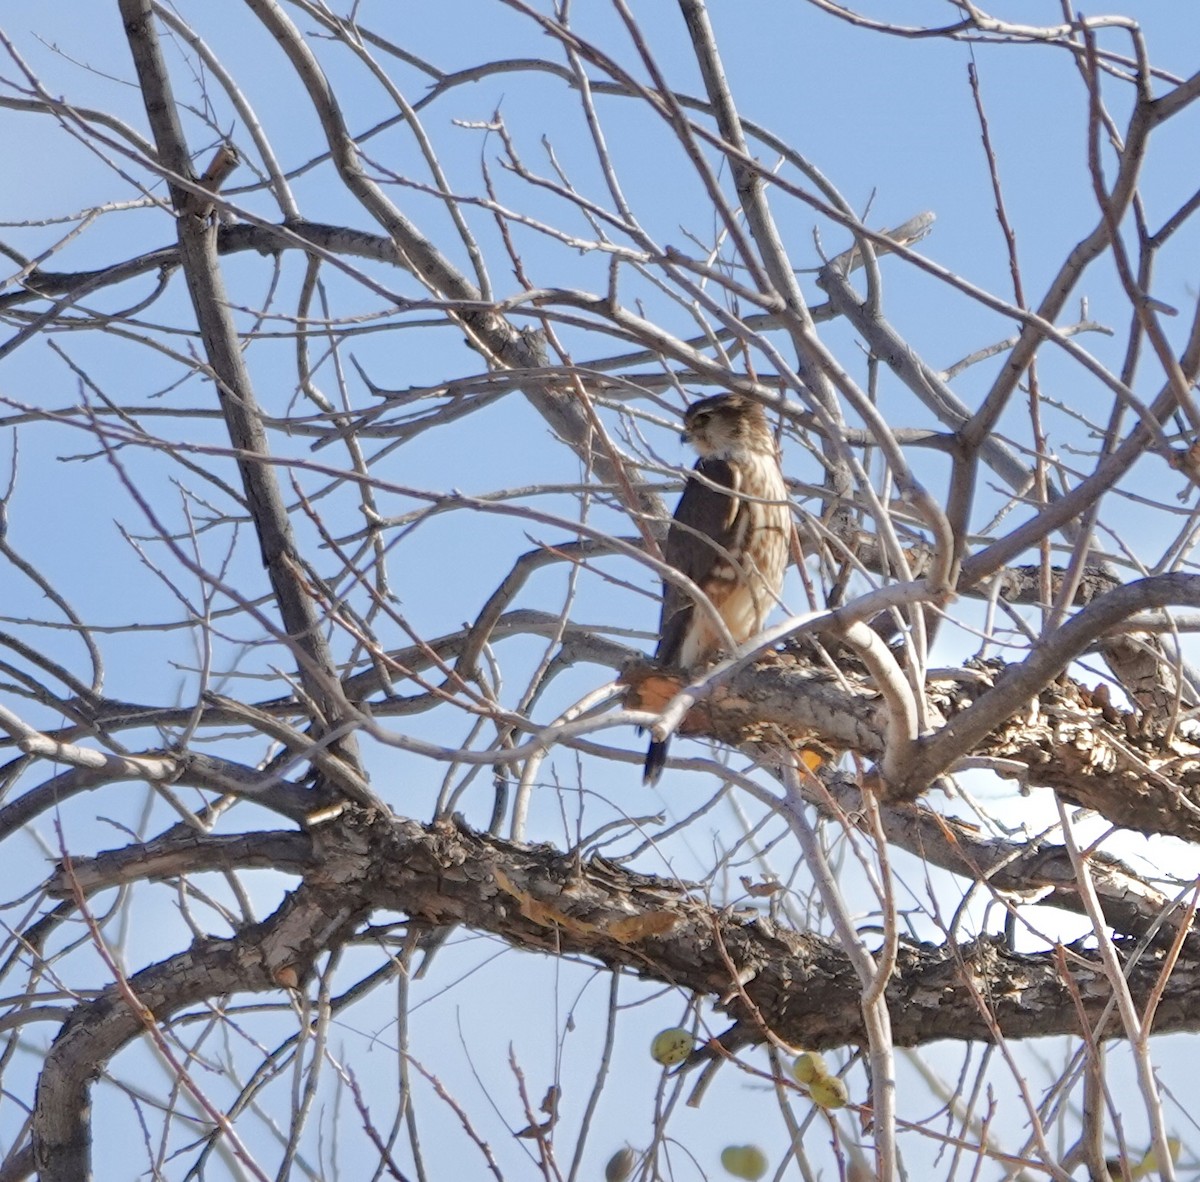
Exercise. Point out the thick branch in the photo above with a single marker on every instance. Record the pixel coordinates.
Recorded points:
(177, 854)
(197, 246)
(542, 899)
(231, 239)
(804, 985)
(260, 958)
(1055, 733)
(959, 737)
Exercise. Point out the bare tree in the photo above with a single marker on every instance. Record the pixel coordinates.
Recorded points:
(338, 403)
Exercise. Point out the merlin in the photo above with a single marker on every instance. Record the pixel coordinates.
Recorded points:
(729, 535)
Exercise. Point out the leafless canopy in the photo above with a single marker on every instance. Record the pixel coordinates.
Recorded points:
(339, 394)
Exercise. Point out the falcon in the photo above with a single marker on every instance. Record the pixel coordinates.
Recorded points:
(729, 535)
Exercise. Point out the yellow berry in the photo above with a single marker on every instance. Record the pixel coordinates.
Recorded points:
(672, 1046)
(809, 1066)
(1149, 1164)
(829, 1092)
(744, 1161)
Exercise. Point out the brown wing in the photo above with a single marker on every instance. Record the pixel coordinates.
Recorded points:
(704, 513)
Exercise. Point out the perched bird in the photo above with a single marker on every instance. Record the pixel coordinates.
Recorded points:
(729, 536)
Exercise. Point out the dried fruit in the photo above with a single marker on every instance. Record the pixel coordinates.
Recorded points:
(620, 1165)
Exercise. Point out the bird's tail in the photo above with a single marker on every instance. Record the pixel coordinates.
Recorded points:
(656, 760)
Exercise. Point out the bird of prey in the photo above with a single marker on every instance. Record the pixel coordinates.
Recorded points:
(729, 535)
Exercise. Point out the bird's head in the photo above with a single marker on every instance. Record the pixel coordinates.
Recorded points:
(726, 424)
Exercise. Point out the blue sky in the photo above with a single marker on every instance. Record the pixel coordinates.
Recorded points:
(888, 120)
